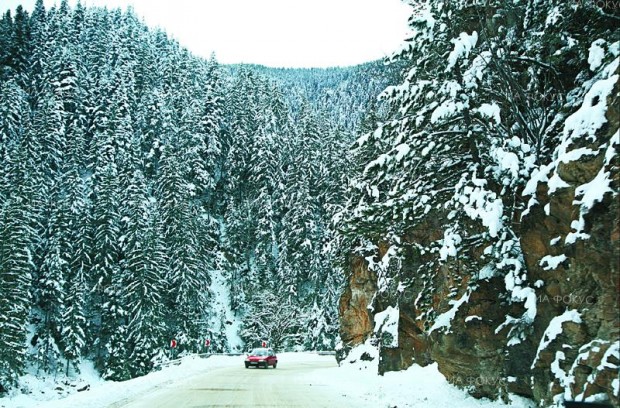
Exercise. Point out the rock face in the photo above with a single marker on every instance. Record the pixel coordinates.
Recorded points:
(571, 254)
(587, 280)
(355, 317)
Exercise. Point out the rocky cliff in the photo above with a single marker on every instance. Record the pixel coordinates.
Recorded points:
(571, 253)
(486, 234)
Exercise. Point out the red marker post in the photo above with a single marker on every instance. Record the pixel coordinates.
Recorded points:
(207, 343)
(173, 343)
(264, 344)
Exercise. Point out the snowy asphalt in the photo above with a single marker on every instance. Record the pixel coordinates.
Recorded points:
(293, 384)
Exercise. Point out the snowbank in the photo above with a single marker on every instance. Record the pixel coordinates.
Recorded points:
(415, 387)
(105, 393)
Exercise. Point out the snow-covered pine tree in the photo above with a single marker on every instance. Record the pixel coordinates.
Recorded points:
(145, 265)
(106, 287)
(186, 280)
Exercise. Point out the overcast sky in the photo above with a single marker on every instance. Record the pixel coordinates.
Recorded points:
(291, 33)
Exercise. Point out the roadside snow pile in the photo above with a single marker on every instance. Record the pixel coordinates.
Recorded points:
(105, 393)
(427, 387)
(363, 357)
(35, 388)
(414, 387)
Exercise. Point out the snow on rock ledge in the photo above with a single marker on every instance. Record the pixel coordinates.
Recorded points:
(386, 326)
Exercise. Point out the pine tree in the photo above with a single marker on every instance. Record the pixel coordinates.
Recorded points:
(20, 45)
(74, 319)
(145, 261)
(106, 288)
(6, 38)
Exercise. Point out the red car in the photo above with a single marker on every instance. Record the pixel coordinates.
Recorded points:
(261, 357)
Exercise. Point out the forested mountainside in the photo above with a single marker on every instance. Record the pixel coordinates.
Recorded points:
(484, 214)
(344, 96)
(148, 195)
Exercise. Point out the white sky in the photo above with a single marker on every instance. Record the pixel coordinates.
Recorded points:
(290, 33)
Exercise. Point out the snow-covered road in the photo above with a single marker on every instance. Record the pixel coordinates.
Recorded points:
(292, 384)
